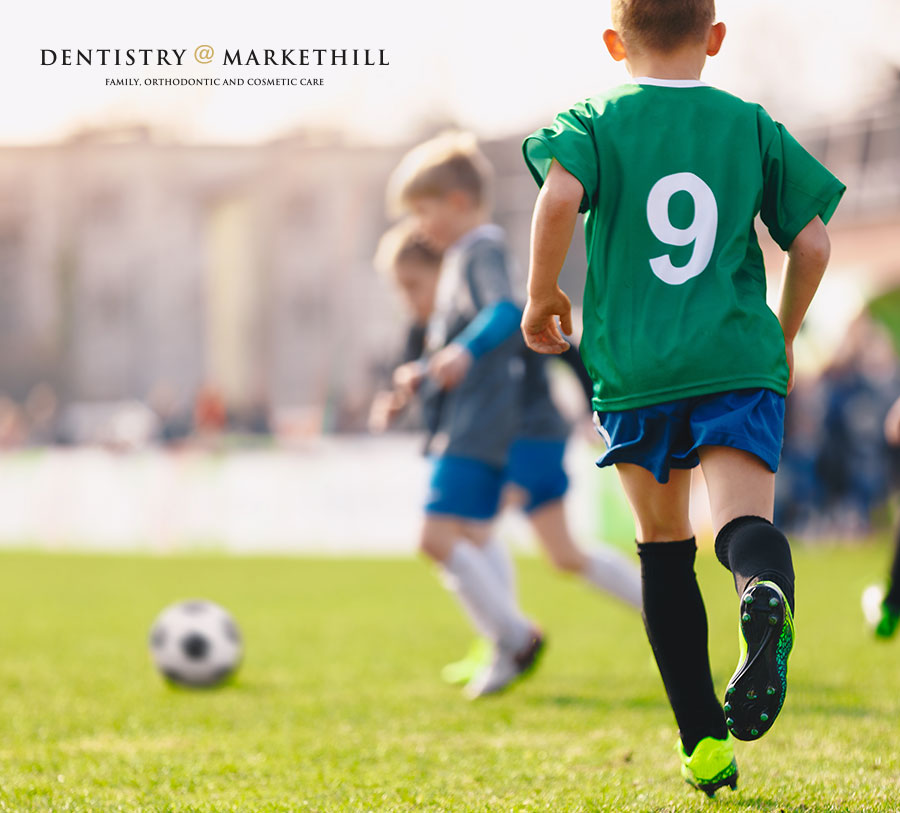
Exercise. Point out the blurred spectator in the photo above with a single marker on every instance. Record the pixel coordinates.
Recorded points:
(173, 414)
(13, 430)
(799, 492)
(255, 417)
(835, 463)
(210, 417)
(41, 414)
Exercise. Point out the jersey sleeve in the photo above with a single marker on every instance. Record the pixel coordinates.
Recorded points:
(487, 276)
(570, 141)
(493, 326)
(414, 346)
(796, 187)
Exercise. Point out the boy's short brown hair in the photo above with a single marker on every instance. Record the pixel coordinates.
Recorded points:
(438, 166)
(402, 243)
(662, 25)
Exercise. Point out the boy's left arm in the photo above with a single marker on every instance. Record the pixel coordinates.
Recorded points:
(799, 197)
(552, 227)
(493, 326)
(807, 257)
(488, 277)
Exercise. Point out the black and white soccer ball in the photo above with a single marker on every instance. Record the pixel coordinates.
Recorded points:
(195, 643)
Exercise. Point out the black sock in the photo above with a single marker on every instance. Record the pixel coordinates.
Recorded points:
(753, 549)
(675, 620)
(893, 595)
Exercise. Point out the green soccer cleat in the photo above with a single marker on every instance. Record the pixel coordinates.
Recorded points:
(463, 670)
(756, 691)
(881, 617)
(711, 766)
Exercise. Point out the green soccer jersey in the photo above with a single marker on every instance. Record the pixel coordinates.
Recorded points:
(674, 173)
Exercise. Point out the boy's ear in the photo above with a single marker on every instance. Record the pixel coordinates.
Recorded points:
(714, 41)
(614, 44)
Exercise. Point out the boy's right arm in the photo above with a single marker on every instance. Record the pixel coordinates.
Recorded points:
(552, 227)
(807, 257)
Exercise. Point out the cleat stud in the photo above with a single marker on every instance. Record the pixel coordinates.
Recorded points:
(745, 617)
(751, 695)
(729, 722)
(773, 620)
(773, 602)
(763, 718)
(729, 691)
(770, 690)
(754, 732)
(748, 599)
(727, 707)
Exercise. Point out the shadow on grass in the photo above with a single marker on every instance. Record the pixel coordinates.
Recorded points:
(601, 703)
(175, 686)
(742, 802)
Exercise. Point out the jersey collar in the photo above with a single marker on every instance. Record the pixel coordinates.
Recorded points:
(668, 83)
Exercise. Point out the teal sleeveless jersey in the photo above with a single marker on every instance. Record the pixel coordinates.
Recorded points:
(674, 174)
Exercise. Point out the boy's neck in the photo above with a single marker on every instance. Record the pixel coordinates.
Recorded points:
(684, 63)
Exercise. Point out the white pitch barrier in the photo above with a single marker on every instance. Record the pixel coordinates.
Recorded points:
(345, 495)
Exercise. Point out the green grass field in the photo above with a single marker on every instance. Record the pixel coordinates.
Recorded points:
(339, 707)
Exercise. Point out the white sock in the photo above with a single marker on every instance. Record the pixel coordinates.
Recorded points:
(484, 599)
(612, 571)
(501, 563)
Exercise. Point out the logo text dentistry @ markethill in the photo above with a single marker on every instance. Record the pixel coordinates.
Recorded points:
(206, 55)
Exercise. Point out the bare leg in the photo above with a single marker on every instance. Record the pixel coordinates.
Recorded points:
(440, 533)
(661, 512)
(550, 525)
(601, 565)
(739, 485)
(741, 498)
(674, 615)
(468, 573)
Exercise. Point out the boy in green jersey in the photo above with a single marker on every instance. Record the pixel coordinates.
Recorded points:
(690, 366)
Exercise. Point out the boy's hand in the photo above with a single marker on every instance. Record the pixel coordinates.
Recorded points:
(789, 352)
(892, 424)
(386, 406)
(408, 377)
(449, 365)
(539, 326)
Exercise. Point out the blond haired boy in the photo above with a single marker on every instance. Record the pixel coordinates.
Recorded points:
(471, 383)
(534, 474)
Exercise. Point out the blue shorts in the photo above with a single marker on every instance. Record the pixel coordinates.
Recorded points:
(471, 489)
(464, 487)
(666, 436)
(536, 466)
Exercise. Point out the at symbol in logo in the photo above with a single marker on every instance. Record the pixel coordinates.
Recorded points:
(204, 54)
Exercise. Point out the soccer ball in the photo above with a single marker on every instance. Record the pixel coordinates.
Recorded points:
(195, 643)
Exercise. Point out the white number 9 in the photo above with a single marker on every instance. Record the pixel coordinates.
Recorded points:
(701, 232)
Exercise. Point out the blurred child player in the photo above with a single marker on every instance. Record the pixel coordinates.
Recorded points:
(881, 604)
(534, 474)
(444, 184)
(689, 364)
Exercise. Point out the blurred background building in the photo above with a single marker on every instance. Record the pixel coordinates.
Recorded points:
(160, 292)
(137, 269)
